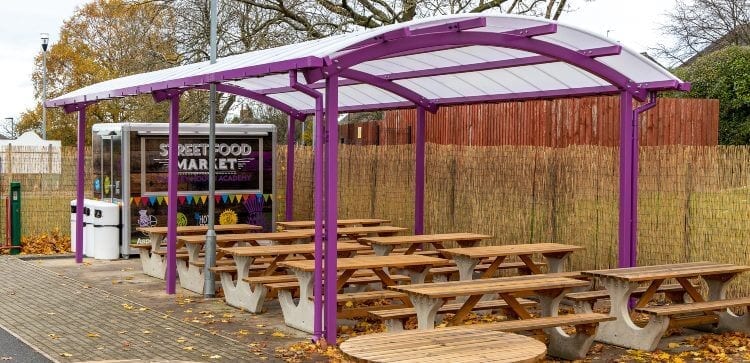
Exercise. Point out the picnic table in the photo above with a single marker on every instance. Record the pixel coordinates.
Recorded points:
(356, 232)
(152, 256)
(385, 245)
(363, 222)
(696, 311)
(466, 345)
(467, 258)
(190, 270)
(300, 315)
(428, 298)
(241, 293)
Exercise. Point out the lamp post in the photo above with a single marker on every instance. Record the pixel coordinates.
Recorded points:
(45, 42)
(12, 127)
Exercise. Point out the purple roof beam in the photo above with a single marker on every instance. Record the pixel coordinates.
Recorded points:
(541, 47)
(475, 67)
(390, 86)
(239, 91)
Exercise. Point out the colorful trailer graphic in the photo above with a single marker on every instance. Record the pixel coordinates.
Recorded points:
(130, 168)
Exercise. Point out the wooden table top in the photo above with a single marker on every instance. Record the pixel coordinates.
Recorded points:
(341, 222)
(255, 251)
(365, 262)
(424, 238)
(438, 345)
(510, 250)
(359, 230)
(202, 229)
(241, 237)
(515, 284)
(656, 272)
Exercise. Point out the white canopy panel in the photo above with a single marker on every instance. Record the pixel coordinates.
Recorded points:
(509, 57)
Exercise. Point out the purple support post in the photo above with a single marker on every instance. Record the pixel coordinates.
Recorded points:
(174, 129)
(627, 157)
(419, 174)
(81, 182)
(332, 147)
(290, 131)
(318, 197)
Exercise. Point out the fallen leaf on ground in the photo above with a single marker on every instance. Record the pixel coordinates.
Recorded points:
(66, 355)
(93, 335)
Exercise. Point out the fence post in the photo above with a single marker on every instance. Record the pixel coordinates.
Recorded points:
(49, 159)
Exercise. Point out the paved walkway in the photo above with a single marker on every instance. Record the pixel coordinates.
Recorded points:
(69, 321)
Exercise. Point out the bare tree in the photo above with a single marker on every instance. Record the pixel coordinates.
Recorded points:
(320, 18)
(698, 25)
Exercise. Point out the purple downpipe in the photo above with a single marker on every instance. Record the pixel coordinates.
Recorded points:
(289, 209)
(627, 155)
(174, 129)
(318, 197)
(634, 183)
(319, 211)
(419, 174)
(80, 183)
(332, 145)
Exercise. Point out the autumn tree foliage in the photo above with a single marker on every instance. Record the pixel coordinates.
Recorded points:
(106, 39)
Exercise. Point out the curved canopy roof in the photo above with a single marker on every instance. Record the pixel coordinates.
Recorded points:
(465, 58)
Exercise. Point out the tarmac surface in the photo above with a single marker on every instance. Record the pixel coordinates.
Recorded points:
(13, 349)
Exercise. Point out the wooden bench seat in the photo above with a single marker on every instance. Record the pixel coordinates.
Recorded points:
(594, 295)
(399, 251)
(394, 319)
(577, 320)
(689, 314)
(221, 262)
(233, 269)
(695, 307)
(286, 282)
(483, 267)
(357, 297)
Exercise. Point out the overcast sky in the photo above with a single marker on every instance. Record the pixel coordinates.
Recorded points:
(633, 22)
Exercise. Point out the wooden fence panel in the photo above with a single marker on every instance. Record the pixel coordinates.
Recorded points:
(555, 123)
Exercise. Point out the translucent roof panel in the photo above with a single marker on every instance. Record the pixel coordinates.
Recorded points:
(441, 60)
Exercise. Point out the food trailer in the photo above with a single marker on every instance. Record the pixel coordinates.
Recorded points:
(130, 168)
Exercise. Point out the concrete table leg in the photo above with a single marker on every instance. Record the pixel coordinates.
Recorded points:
(556, 262)
(238, 292)
(466, 267)
(561, 344)
(728, 321)
(299, 315)
(622, 331)
(382, 250)
(426, 309)
(191, 276)
(153, 264)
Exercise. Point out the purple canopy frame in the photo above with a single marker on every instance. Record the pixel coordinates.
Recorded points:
(391, 44)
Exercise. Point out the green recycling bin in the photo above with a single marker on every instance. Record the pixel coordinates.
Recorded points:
(15, 217)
